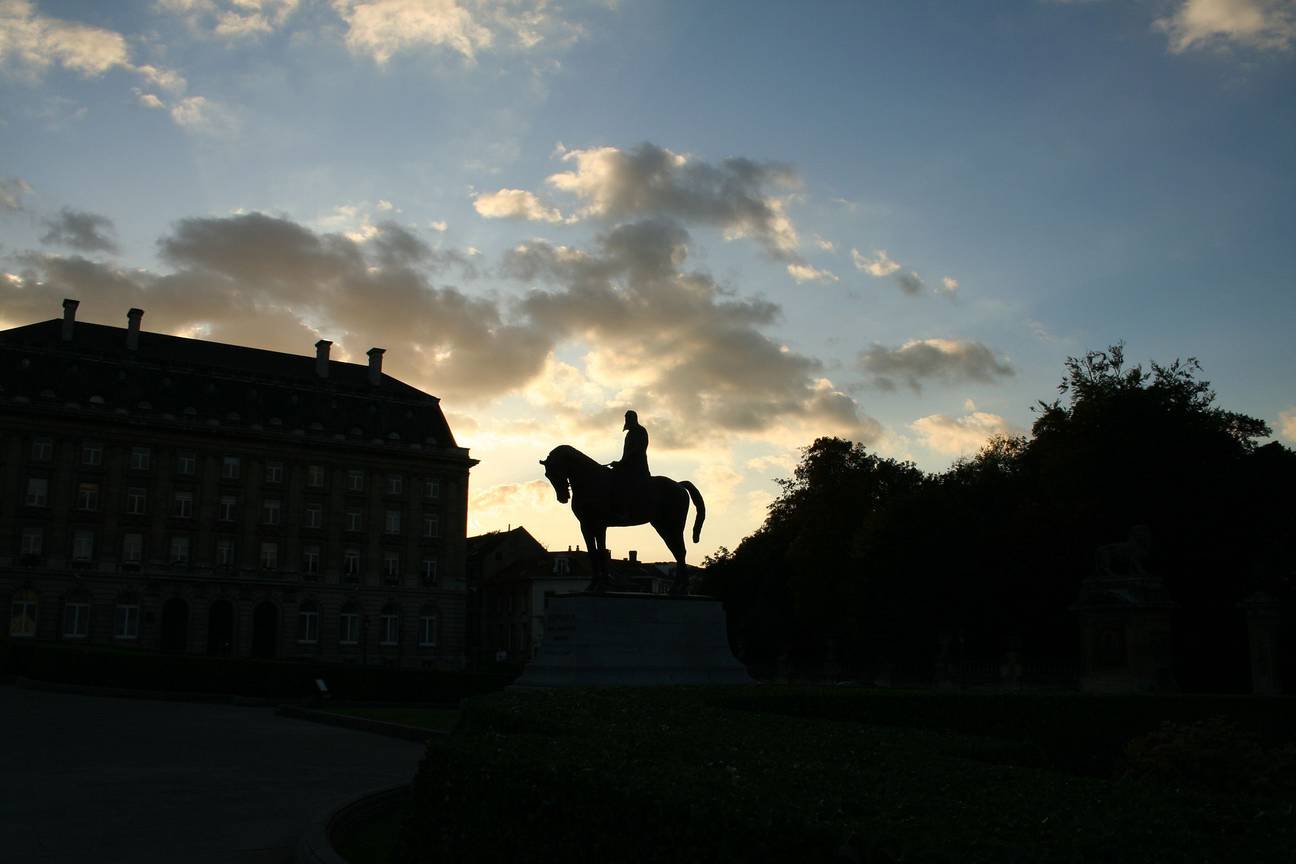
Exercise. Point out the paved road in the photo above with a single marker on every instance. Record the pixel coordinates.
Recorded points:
(93, 779)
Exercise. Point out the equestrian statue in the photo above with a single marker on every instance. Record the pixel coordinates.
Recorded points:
(622, 494)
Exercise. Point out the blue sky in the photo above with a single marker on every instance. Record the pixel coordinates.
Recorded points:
(753, 222)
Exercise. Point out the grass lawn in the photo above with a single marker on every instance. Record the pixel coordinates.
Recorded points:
(820, 774)
(440, 719)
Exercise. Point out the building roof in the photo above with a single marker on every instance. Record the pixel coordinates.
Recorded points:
(171, 377)
(484, 544)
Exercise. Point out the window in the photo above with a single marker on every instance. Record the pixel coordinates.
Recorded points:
(349, 627)
(431, 488)
(37, 492)
(22, 614)
(355, 481)
(315, 476)
(308, 626)
(183, 505)
(395, 484)
(136, 499)
(180, 549)
(351, 565)
(225, 553)
(42, 449)
(230, 467)
(274, 472)
(271, 511)
(428, 571)
(132, 548)
(427, 630)
(228, 508)
(140, 458)
(76, 620)
(33, 540)
(392, 523)
(353, 520)
(314, 516)
(82, 545)
(391, 567)
(88, 496)
(269, 556)
(311, 560)
(390, 628)
(92, 454)
(431, 525)
(186, 464)
(126, 621)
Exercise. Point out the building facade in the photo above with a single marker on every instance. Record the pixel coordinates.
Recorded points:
(190, 496)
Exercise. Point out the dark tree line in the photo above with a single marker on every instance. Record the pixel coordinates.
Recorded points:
(867, 562)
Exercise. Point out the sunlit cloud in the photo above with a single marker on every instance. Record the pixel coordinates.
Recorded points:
(960, 436)
(1263, 25)
(921, 360)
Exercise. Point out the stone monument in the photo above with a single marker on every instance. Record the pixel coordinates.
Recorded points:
(600, 638)
(1125, 617)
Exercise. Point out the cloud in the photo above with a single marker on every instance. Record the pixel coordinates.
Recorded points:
(960, 436)
(12, 190)
(949, 285)
(439, 225)
(878, 266)
(825, 245)
(806, 273)
(167, 79)
(77, 229)
(735, 194)
(204, 116)
(668, 340)
(254, 279)
(1264, 25)
(514, 204)
(381, 29)
(34, 42)
(922, 360)
(231, 19)
(149, 100)
(1287, 424)
(910, 283)
(514, 497)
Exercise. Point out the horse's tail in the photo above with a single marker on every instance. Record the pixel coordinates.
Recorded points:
(701, 508)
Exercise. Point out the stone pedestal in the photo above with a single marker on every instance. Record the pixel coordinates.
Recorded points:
(633, 640)
(1262, 613)
(1126, 628)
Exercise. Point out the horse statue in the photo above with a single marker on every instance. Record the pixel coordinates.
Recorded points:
(660, 502)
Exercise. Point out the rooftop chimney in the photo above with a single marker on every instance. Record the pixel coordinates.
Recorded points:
(321, 357)
(375, 365)
(69, 318)
(634, 556)
(132, 328)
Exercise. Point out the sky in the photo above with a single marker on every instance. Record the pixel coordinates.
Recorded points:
(753, 223)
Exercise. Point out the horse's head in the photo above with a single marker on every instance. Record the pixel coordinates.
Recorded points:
(556, 473)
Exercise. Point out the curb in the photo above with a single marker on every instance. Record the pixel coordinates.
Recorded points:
(316, 843)
(362, 724)
(129, 693)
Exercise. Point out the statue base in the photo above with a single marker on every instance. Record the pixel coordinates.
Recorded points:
(633, 640)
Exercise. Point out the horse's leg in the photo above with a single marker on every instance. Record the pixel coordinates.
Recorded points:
(605, 558)
(597, 582)
(671, 531)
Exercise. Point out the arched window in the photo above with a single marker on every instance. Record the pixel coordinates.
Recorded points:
(389, 629)
(427, 626)
(22, 614)
(308, 622)
(349, 624)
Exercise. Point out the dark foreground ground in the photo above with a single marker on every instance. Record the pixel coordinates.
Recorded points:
(90, 779)
(856, 775)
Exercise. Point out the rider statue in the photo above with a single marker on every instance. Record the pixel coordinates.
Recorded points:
(630, 473)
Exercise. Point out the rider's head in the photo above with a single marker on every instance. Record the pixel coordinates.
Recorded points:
(631, 420)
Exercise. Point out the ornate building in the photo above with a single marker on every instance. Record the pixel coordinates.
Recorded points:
(198, 497)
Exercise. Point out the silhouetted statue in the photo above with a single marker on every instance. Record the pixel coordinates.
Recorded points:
(658, 501)
(630, 473)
